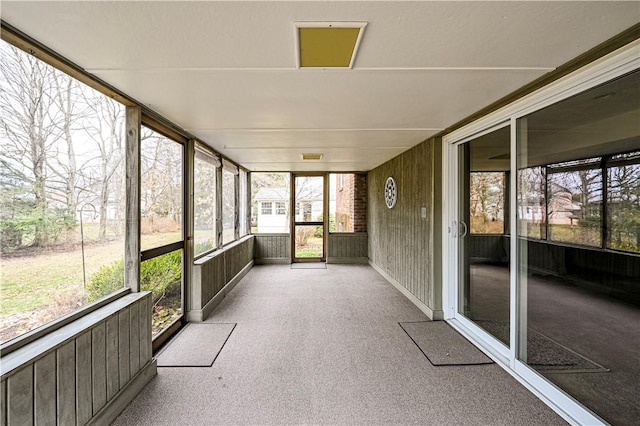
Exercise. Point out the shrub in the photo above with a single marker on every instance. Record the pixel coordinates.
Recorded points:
(106, 280)
(161, 275)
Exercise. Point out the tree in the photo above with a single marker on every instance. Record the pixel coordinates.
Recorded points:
(28, 129)
(486, 201)
(161, 194)
(105, 129)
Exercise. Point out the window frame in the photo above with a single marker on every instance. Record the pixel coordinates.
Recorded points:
(215, 161)
(263, 210)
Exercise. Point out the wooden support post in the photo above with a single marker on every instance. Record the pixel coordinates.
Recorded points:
(132, 229)
(189, 227)
(219, 206)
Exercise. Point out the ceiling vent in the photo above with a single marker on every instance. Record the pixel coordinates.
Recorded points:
(327, 44)
(311, 156)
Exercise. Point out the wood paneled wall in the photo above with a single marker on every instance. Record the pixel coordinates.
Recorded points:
(606, 271)
(494, 248)
(68, 377)
(348, 247)
(401, 240)
(272, 248)
(213, 272)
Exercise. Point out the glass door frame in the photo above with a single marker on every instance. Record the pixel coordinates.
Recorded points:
(323, 223)
(453, 227)
(607, 68)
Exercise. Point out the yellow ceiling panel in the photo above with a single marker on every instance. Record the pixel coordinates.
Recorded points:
(327, 47)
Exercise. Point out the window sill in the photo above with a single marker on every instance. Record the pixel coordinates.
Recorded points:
(48, 328)
(28, 353)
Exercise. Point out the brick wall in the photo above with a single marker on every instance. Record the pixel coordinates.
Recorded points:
(351, 203)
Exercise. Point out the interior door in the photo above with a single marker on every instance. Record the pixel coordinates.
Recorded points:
(308, 197)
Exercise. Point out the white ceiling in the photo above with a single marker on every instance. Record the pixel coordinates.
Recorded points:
(226, 71)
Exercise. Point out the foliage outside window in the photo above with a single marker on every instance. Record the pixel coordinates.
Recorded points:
(162, 276)
(161, 190)
(623, 203)
(272, 189)
(204, 201)
(487, 202)
(62, 193)
(228, 206)
(161, 204)
(574, 204)
(532, 204)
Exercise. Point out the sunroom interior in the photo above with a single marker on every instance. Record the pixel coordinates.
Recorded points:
(164, 163)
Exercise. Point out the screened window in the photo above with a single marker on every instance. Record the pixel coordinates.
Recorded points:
(623, 202)
(161, 190)
(62, 193)
(244, 208)
(204, 201)
(575, 202)
(228, 206)
(532, 203)
(270, 203)
(161, 205)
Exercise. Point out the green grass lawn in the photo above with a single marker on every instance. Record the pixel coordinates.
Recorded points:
(313, 248)
(35, 280)
(29, 282)
(39, 286)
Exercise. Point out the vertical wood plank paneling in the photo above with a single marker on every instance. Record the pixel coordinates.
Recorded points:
(134, 340)
(84, 390)
(345, 246)
(269, 246)
(400, 238)
(145, 330)
(123, 347)
(99, 366)
(113, 370)
(66, 383)
(3, 403)
(45, 390)
(20, 397)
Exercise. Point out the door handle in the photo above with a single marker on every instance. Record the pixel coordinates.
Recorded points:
(466, 229)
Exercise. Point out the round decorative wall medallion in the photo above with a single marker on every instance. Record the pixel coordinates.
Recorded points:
(390, 192)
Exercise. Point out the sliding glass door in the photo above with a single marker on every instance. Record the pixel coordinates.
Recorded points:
(543, 246)
(481, 232)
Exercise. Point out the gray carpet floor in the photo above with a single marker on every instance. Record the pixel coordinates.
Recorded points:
(442, 345)
(324, 347)
(602, 329)
(197, 345)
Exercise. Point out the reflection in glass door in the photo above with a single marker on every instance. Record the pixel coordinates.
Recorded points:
(308, 221)
(482, 233)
